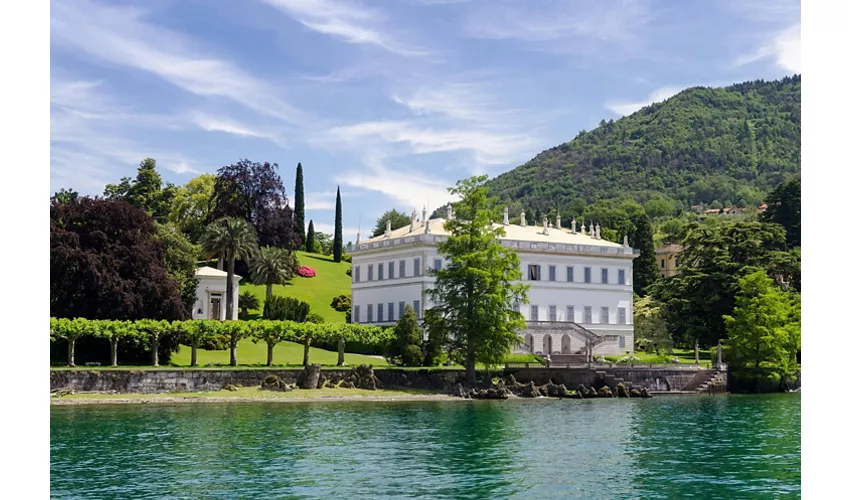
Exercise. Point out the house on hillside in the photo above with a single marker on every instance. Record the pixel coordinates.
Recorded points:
(210, 295)
(666, 257)
(580, 297)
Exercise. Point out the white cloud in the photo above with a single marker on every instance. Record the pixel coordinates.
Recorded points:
(120, 35)
(627, 108)
(213, 124)
(783, 47)
(344, 20)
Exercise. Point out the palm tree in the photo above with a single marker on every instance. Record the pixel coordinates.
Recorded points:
(272, 266)
(235, 239)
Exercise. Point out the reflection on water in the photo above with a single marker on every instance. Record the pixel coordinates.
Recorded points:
(698, 447)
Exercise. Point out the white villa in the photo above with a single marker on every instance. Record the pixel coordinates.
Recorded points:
(580, 296)
(210, 294)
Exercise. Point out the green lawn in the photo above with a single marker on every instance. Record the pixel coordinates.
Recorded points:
(285, 353)
(330, 281)
(685, 357)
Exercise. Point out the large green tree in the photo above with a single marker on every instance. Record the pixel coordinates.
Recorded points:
(235, 239)
(784, 208)
(311, 246)
(764, 332)
(181, 260)
(273, 266)
(407, 345)
(338, 228)
(643, 267)
(300, 228)
(396, 219)
(191, 206)
(146, 191)
(474, 293)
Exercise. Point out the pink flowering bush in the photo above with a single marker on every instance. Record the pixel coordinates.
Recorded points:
(305, 271)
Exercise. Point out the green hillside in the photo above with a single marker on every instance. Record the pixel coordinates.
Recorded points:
(724, 146)
(330, 281)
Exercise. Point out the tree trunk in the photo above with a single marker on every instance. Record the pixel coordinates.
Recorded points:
(113, 345)
(71, 352)
(696, 351)
(268, 292)
(307, 351)
(270, 354)
(470, 365)
(155, 349)
(231, 270)
(232, 350)
(340, 347)
(220, 264)
(194, 353)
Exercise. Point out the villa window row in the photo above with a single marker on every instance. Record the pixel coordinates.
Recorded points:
(394, 269)
(535, 273)
(375, 312)
(586, 316)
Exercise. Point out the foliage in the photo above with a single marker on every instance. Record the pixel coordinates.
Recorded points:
(784, 208)
(106, 262)
(305, 271)
(764, 332)
(191, 205)
(312, 245)
(346, 258)
(649, 325)
(254, 192)
(324, 243)
(65, 196)
(396, 219)
(273, 266)
(337, 243)
(342, 303)
(314, 318)
(181, 259)
(234, 239)
(716, 255)
(729, 145)
(475, 292)
(145, 191)
(248, 300)
(286, 309)
(299, 204)
(407, 345)
(433, 348)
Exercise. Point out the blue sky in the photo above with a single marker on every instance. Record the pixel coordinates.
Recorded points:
(393, 101)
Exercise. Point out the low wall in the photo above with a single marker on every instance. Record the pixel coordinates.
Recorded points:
(163, 380)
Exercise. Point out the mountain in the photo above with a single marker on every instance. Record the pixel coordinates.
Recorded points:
(722, 146)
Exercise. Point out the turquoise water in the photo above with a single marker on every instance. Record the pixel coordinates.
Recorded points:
(666, 447)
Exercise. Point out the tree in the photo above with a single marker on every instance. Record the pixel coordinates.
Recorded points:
(784, 208)
(145, 191)
(407, 345)
(181, 260)
(475, 292)
(107, 262)
(437, 339)
(67, 196)
(234, 239)
(396, 218)
(299, 202)
(235, 331)
(273, 266)
(643, 267)
(247, 300)
(338, 228)
(650, 327)
(272, 333)
(154, 331)
(191, 206)
(197, 332)
(286, 309)
(311, 240)
(71, 330)
(114, 331)
(764, 332)
(255, 193)
(324, 243)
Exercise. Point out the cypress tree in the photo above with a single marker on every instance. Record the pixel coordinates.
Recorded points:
(311, 239)
(299, 203)
(645, 272)
(338, 228)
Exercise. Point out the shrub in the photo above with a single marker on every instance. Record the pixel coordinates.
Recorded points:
(341, 303)
(412, 356)
(346, 258)
(305, 272)
(286, 309)
(314, 318)
(247, 300)
(348, 272)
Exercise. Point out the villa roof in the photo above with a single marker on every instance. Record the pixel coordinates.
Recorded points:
(211, 272)
(669, 248)
(512, 232)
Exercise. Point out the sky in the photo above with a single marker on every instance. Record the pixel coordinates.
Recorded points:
(391, 101)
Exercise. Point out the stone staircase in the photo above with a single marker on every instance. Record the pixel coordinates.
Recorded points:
(705, 380)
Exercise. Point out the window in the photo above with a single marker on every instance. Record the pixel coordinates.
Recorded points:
(369, 273)
(381, 312)
(401, 268)
(621, 315)
(621, 276)
(551, 273)
(516, 306)
(588, 315)
(587, 275)
(391, 270)
(438, 264)
(416, 307)
(534, 272)
(569, 274)
(416, 269)
(534, 315)
(571, 314)
(357, 274)
(662, 263)
(604, 316)
(400, 309)
(604, 275)
(390, 311)
(380, 272)
(357, 314)
(622, 341)
(553, 313)
(368, 313)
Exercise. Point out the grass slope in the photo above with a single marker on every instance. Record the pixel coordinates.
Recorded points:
(285, 354)
(330, 281)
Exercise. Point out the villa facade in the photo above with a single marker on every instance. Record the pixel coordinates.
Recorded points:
(210, 300)
(580, 286)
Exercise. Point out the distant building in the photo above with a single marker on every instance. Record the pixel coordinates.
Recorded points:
(210, 295)
(667, 259)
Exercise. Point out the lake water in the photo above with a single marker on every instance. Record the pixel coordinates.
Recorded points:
(667, 447)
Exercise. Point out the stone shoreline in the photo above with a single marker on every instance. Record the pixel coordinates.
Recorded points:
(154, 399)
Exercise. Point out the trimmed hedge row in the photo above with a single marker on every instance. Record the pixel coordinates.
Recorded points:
(213, 334)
